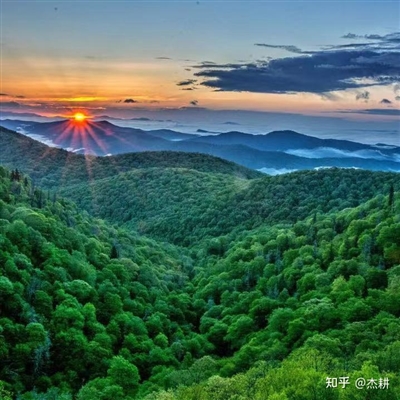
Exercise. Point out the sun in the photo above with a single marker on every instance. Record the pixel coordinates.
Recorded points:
(79, 117)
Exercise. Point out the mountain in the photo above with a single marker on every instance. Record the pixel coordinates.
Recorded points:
(282, 141)
(258, 159)
(169, 134)
(16, 124)
(106, 117)
(97, 137)
(279, 150)
(160, 187)
(52, 167)
(240, 273)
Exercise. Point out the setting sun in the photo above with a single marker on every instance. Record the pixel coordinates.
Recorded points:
(79, 117)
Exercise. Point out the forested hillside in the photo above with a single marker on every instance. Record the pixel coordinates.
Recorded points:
(53, 168)
(91, 311)
(184, 206)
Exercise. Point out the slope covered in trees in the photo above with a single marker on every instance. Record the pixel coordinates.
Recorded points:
(52, 168)
(184, 198)
(185, 206)
(89, 311)
(75, 293)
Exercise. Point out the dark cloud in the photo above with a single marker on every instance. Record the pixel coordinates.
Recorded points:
(363, 96)
(186, 82)
(188, 69)
(163, 58)
(373, 111)
(189, 88)
(127, 101)
(332, 69)
(3, 94)
(290, 48)
(397, 98)
(390, 37)
(20, 97)
(385, 101)
(154, 101)
(9, 104)
(194, 102)
(350, 36)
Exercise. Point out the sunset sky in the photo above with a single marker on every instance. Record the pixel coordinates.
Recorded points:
(332, 58)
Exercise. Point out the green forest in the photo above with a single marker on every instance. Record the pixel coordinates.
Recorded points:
(174, 276)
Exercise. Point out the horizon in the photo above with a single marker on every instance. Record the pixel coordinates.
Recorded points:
(188, 59)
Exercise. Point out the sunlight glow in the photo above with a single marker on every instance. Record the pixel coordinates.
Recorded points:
(79, 117)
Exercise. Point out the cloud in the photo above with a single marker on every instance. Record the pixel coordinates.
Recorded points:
(190, 88)
(186, 82)
(194, 102)
(330, 69)
(127, 101)
(329, 96)
(163, 58)
(390, 37)
(20, 97)
(363, 96)
(385, 101)
(350, 36)
(205, 63)
(373, 111)
(289, 48)
(9, 104)
(397, 98)
(3, 94)
(330, 152)
(276, 171)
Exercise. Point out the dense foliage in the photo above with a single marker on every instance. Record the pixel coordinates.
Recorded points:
(185, 206)
(81, 300)
(263, 311)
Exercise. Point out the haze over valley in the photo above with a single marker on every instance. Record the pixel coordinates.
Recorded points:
(274, 152)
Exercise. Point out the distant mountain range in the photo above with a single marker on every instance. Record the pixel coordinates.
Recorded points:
(276, 151)
(53, 167)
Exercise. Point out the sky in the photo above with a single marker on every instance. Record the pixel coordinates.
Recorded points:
(333, 59)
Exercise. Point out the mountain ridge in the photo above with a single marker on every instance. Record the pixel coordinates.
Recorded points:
(288, 150)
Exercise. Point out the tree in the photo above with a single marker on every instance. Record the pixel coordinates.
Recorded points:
(114, 252)
(391, 197)
(124, 374)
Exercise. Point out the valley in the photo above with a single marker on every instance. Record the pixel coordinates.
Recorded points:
(201, 277)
